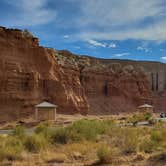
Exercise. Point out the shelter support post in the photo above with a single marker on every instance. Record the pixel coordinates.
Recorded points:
(55, 114)
(36, 114)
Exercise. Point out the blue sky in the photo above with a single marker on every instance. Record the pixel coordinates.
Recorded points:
(123, 29)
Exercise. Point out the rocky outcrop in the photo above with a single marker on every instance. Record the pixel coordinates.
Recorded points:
(30, 73)
(111, 88)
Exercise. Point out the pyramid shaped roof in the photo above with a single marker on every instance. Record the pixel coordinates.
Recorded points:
(46, 104)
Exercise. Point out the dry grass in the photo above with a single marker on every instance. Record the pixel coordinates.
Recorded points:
(53, 156)
(107, 143)
(84, 148)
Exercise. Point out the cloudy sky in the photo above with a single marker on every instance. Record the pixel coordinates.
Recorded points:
(123, 29)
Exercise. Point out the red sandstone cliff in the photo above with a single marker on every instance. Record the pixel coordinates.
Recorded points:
(30, 73)
(109, 88)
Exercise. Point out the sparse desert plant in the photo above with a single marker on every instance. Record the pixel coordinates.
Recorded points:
(141, 116)
(83, 147)
(82, 140)
(104, 154)
(51, 156)
(19, 131)
(89, 129)
(35, 143)
(146, 145)
(158, 136)
(80, 130)
(129, 140)
(60, 135)
(147, 116)
(11, 149)
(44, 129)
(154, 142)
(158, 158)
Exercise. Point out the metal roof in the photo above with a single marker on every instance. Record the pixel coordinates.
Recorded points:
(46, 104)
(146, 106)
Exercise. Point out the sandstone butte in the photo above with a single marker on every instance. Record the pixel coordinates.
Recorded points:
(30, 73)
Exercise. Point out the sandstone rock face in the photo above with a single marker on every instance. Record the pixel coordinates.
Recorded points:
(30, 74)
(110, 88)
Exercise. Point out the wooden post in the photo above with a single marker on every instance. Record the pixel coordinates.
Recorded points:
(55, 114)
(36, 114)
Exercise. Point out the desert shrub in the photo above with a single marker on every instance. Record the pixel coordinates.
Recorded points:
(60, 135)
(130, 140)
(152, 121)
(158, 136)
(147, 116)
(19, 131)
(88, 129)
(2, 154)
(158, 158)
(80, 130)
(146, 145)
(154, 142)
(126, 139)
(44, 129)
(11, 149)
(134, 119)
(35, 143)
(104, 154)
(83, 147)
(160, 125)
(142, 116)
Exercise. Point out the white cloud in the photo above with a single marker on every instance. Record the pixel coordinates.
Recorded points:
(66, 36)
(121, 20)
(112, 45)
(118, 12)
(162, 50)
(101, 44)
(96, 43)
(77, 47)
(96, 19)
(155, 32)
(163, 58)
(30, 13)
(121, 54)
(143, 49)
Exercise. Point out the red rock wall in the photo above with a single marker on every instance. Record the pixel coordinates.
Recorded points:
(30, 74)
(115, 91)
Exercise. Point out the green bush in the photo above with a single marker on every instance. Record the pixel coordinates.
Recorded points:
(142, 116)
(44, 129)
(158, 136)
(11, 149)
(19, 131)
(80, 130)
(89, 130)
(60, 135)
(130, 140)
(35, 143)
(147, 145)
(104, 154)
(155, 142)
(147, 116)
